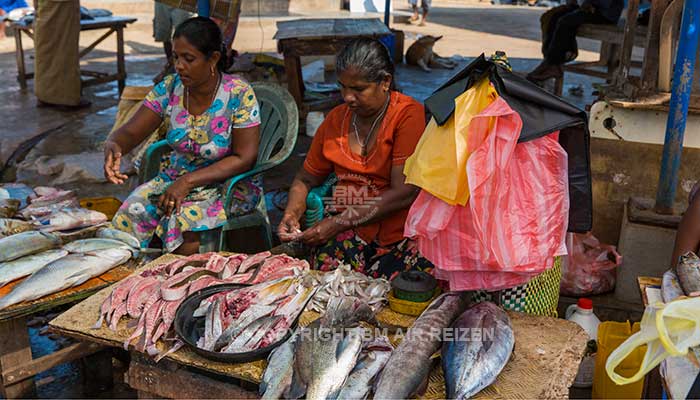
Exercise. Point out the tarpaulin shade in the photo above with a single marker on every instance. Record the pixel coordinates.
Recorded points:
(541, 113)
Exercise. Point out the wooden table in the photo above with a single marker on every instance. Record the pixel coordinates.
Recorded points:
(678, 372)
(112, 24)
(17, 367)
(316, 37)
(544, 364)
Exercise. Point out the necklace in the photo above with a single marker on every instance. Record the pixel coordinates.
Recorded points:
(211, 100)
(364, 143)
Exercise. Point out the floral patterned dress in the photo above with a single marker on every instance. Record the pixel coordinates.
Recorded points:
(197, 141)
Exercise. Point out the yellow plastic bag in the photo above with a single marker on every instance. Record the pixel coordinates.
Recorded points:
(667, 330)
(439, 163)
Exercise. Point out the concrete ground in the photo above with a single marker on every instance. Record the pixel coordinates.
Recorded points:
(57, 141)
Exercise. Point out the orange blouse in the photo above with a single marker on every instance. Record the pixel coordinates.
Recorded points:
(362, 180)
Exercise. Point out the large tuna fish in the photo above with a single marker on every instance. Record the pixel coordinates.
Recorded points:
(410, 364)
(471, 365)
(66, 272)
(26, 243)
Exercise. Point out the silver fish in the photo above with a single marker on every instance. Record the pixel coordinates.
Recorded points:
(688, 271)
(9, 227)
(252, 313)
(332, 360)
(670, 287)
(116, 234)
(410, 364)
(21, 267)
(278, 374)
(88, 245)
(373, 358)
(472, 365)
(66, 272)
(328, 349)
(237, 345)
(26, 243)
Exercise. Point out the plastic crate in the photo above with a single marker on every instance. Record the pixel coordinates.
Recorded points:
(106, 205)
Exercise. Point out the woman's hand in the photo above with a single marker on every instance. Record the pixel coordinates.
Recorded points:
(289, 228)
(172, 199)
(113, 158)
(322, 232)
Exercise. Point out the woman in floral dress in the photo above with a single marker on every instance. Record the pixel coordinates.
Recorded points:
(213, 131)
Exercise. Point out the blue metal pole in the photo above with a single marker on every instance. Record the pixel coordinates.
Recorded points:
(387, 6)
(678, 109)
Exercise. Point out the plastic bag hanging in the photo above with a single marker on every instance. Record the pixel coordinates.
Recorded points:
(438, 165)
(667, 330)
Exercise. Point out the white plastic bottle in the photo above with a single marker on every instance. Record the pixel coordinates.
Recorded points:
(582, 314)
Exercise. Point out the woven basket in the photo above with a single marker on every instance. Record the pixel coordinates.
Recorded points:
(539, 296)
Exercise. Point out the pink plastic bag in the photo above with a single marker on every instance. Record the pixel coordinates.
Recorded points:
(589, 268)
(516, 218)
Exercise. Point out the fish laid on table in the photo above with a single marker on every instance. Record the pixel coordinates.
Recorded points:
(151, 298)
(72, 219)
(9, 207)
(36, 211)
(116, 234)
(252, 318)
(27, 265)
(472, 365)
(66, 272)
(9, 227)
(26, 243)
(327, 349)
(277, 378)
(670, 286)
(93, 244)
(373, 358)
(410, 363)
(688, 271)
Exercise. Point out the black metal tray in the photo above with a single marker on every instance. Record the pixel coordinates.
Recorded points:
(190, 329)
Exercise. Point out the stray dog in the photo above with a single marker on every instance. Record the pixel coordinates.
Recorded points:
(421, 54)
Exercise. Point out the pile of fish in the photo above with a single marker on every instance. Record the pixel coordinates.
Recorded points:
(252, 318)
(343, 281)
(50, 268)
(334, 358)
(331, 358)
(406, 373)
(153, 296)
(43, 208)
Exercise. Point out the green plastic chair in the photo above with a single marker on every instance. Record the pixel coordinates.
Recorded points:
(278, 134)
(314, 201)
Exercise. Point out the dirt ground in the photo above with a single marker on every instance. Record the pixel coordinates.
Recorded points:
(31, 135)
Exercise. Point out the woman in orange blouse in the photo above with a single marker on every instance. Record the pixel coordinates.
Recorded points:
(365, 142)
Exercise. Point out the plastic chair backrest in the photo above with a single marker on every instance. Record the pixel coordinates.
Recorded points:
(279, 127)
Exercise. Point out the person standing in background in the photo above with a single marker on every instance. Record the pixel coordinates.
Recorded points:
(57, 60)
(165, 20)
(425, 5)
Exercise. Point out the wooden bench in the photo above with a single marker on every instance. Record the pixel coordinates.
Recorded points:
(611, 38)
